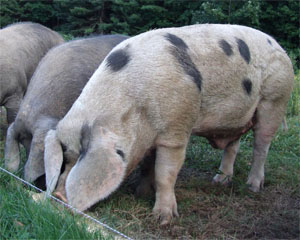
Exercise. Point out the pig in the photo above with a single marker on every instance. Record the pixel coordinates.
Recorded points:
(156, 89)
(22, 46)
(55, 85)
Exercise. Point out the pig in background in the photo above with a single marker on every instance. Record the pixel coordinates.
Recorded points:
(156, 89)
(55, 85)
(22, 46)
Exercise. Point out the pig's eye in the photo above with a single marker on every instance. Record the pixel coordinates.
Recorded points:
(121, 153)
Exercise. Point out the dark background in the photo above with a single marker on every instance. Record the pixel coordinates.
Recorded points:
(75, 18)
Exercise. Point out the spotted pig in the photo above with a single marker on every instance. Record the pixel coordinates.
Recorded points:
(153, 91)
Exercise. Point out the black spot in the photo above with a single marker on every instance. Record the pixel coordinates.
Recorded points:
(247, 85)
(121, 153)
(226, 47)
(117, 60)
(84, 141)
(244, 50)
(269, 41)
(176, 41)
(179, 51)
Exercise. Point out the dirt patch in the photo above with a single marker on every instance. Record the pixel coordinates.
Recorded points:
(211, 211)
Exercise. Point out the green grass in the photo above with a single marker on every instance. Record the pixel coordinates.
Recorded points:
(293, 108)
(23, 218)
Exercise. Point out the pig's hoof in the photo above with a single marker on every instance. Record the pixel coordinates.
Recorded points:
(165, 220)
(255, 184)
(165, 214)
(222, 179)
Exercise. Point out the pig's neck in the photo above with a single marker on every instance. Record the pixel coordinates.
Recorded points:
(117, 110)
(135, 134)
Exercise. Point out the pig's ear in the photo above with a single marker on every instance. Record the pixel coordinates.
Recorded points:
(53, 160)
(34, 166)
(96, 174)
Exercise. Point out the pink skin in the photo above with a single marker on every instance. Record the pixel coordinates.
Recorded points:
(220, 140)
(61, 196)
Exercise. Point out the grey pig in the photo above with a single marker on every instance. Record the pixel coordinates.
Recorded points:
(153, 91)
(22, 46)
(55, 85)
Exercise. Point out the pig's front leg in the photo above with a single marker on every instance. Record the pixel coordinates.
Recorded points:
(227, 163)
(167, 165)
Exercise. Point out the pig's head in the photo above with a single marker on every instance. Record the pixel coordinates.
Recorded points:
(98, 171)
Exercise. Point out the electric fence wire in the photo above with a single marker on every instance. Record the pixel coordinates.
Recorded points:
(68, 206)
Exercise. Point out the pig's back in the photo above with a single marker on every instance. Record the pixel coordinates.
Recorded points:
(205, 72)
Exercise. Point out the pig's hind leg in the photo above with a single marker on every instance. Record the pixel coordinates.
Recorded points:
(226, 167)
(269, 118)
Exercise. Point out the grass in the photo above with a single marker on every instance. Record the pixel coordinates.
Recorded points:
(206, 211)
(21, 217)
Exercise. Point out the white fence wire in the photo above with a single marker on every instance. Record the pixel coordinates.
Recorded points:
(68, 206)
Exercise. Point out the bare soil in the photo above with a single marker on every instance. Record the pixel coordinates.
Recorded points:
(209, 211)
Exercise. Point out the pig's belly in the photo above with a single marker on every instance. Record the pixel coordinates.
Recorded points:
(220, 132)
